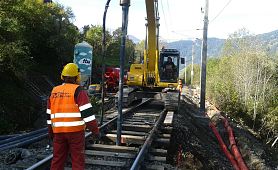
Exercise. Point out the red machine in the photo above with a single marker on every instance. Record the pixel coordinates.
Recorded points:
(112, 76)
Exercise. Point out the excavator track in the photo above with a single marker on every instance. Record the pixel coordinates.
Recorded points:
(171, 100)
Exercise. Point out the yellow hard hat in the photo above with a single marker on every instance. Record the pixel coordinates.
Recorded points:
(70, 70)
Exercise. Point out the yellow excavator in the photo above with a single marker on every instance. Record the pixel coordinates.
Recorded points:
(153, 76)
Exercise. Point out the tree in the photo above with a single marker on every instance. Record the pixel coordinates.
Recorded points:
(34, 37)
(114, 49)
(94, 37)
(33, 33)
(243, 81)
(139, 51)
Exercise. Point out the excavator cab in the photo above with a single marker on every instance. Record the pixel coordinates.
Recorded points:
(169, 65)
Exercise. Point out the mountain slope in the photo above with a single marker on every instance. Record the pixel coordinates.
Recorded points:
(185, 47)
(269, 40)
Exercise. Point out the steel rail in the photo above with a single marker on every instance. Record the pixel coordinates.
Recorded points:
(19, 140)
(43, 162)
(25, 142)
(21, 136)
(141, 155)
(125, 113)
(3, 137)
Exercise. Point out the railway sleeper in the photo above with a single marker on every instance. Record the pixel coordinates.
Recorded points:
(124, 132)
(138, 128)
(156, 158)
(158, 152)
(139, 122)
(127, 139)
(162, 142)
(166, 129)
(153, 167)
(102, 164)
(112, 148)
(110, 154)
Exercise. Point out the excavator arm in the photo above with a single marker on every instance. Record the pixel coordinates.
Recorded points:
(147, 75)
(151, 34)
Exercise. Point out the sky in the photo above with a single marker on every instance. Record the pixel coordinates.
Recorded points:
(181, 19)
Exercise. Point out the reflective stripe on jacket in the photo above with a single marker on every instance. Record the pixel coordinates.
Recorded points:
(64, 112)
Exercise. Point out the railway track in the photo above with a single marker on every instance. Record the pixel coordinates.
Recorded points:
(146, 132)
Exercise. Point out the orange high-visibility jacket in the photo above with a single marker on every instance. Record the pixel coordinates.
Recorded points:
(65, 113)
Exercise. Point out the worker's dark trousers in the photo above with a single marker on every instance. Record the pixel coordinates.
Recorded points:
(65, 143)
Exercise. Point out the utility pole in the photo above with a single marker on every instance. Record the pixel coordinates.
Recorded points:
(192, 62)
(103, 60)
(185, 76)
(125, 5)
(204, 61)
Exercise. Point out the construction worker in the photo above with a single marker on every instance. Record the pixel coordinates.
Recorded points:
(179, 87)
(68, 111)
(169, 69)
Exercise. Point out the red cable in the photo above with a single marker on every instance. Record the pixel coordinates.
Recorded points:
(179, 156)
(234, 147)
(224, 147)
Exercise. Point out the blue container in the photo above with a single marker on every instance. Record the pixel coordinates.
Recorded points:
(83, 56)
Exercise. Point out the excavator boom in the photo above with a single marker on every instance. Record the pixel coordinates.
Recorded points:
(152, 75)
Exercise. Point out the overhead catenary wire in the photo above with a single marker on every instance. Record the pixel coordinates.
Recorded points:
(168, 8)
(166, 25)
(220, 11)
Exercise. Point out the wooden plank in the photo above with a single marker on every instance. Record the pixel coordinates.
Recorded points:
(169, 118)
(125, 132)
(110, 154)
(158, 152)
(106, 163)
(113, 148)
(138, 128)
(130, 139)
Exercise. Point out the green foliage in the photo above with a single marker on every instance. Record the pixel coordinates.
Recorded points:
(113, 44)
(196, 74)
(34, 37)
(139, 52)
(35, 34)
(94, 38)
(16, 110)
(95, 104)
(243, 82)
(271, 120)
